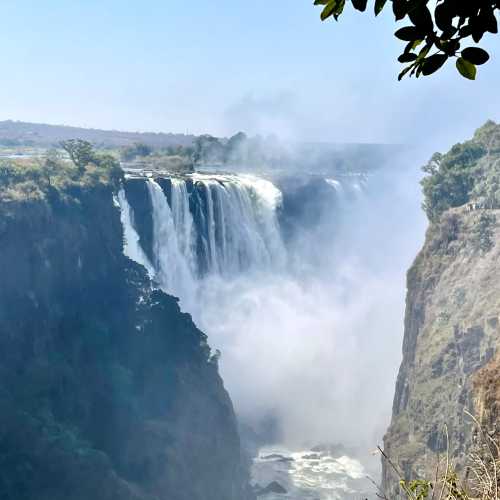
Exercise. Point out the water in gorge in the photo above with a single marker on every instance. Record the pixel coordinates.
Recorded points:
(296, 281)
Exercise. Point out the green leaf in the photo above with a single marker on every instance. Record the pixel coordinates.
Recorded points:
(379, 5)
(432, 63)
(421, 17)
(444, 15)
(399, 9)
(424, 51)
(328, 10)
(407, 57)
(466, 69)
(408, 34)
(339, 9)
(359, 4)
(449, 47)
(403, 73)
(475, 55)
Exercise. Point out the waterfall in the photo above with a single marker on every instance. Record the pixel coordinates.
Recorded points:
(131, 246)
(240, 224)
(183, 220)
(214, 225)
(171, 258)
(301, 328)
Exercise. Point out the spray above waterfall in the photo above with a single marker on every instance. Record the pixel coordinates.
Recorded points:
(284, 278)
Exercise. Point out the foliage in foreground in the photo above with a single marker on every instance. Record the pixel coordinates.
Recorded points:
(432, 38)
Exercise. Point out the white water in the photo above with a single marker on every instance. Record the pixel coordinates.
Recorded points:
(171, 253)
(240, 225)
(238, 232)
(311, 334)
(131, 246)
(310, 474)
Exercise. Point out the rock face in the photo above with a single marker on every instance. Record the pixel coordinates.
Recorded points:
(487, 397)
(452, 334)
(107, 390)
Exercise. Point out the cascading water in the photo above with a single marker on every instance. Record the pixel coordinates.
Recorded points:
(212, 226)
(131, 246)
(172, 254)
(239, 228)
(294, 316)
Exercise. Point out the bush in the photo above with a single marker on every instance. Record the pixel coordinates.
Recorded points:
(50, 178)
(451, 178)
(483, 232)
(137, 150)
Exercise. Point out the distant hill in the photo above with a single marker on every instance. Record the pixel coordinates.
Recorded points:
(237, 152)
(14, 133)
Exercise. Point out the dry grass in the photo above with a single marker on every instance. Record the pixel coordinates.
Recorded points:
(480, 480)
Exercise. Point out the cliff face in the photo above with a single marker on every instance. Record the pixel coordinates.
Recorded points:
(452, 330)
(107, 390)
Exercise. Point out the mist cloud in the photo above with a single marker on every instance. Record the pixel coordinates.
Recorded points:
(320, 351)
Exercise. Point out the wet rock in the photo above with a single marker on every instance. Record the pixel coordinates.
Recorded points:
(273, 487)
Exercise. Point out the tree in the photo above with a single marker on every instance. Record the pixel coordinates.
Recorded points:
(49, 165)
(137, 149)
(80, 152)
(236, 150)
(434, 37)
(451, 178)
(208, 149)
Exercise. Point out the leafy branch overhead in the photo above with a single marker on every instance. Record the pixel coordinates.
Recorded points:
(435, 34)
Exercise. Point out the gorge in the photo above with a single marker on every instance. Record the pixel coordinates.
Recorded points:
(271, 264)
(128, 297)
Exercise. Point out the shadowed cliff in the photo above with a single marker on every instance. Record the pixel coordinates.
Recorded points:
(107, 390)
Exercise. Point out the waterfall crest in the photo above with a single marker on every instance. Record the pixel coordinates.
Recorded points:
(206, 226)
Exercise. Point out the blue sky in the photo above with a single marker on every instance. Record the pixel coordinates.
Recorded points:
(264, 66)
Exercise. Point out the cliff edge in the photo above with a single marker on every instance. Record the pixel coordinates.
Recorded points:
(452, 324)
(107, 390)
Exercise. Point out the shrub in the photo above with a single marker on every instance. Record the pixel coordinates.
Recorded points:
(451, 178)
(483, 232)
(50, 178)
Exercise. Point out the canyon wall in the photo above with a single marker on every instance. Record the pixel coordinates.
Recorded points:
(452, 324)
(107, 390)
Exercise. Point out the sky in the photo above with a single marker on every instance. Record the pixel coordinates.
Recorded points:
(220, 66)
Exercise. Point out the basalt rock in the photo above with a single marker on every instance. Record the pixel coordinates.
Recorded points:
(107, 390)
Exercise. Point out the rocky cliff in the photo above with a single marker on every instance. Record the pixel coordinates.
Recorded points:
(452, 329)
(107, 390)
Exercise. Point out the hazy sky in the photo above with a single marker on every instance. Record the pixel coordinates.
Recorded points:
(223, 65)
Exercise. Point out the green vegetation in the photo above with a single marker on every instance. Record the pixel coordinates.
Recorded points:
(80, 152)
(139, 149)
(451, 178)
(238, 150)
(435, 34)
(483, 232)
(469, 172)
(54, 177)
(172, 158)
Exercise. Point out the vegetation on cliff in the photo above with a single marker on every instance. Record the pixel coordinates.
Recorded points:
(469, 172)
(479, 481)
(452, 331)
(107, 390)
(53, 178)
